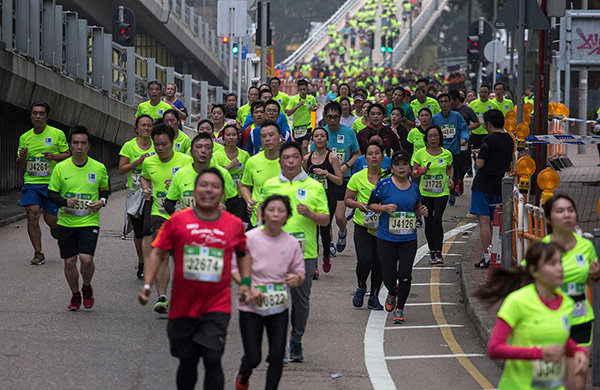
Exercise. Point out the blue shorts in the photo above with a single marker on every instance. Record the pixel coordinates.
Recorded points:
(483, 203)
(38, 194)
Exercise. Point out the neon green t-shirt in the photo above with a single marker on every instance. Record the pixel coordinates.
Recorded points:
(155, 112)
(85, 182)
(416, 138)
(308, 192)
(337, 99)
(359, 183)
(283, 99)
(242, 113)
(430, 103)
(576, 267)
(158, 173)
(435, 182)
(481, 108)
(358, 125)
(302, 116)
(38, 170)
(182, 185)
(534, 324)
(220, 158)
(182, 143)
(258, 170)
(132, 151)
(506, 105)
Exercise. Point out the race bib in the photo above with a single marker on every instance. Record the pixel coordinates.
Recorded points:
(136, 176)
(188, 199)
(370, 220)
(161, 196)
(402, 222)
(546, 375)
(275, 299)
(203, 264)
(580, 309)
(449, 131)
(580, 259)
(81, 208)
(301, 240)
(321, 179)
(38, 166)
(480, 117)
(341, 154)
(573, 289)
(237, 180)
(300, 131)
(433, 183)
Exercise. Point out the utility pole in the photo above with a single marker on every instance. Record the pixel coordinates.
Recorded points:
(521, 59)
(583, 90)
(263, 41)
(231, 14)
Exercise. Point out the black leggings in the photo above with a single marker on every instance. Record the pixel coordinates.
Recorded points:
(187, 373)
(367, 260)
(251, 329)
(396, 263)
(434, 231)
(325, 231)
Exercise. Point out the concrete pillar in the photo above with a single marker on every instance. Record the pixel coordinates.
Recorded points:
(7, 25)
(170, 74)
(71, 43)
(203, 99)
(58, 37)
(48, 20)
(219, 97)
(97, 54)
(187, 97)
(151, 69)
(22, 26)
(107, 64)
(82, 49)
(131, 75)
(34, 29)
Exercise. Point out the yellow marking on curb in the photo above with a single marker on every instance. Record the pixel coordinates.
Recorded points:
(446, 331)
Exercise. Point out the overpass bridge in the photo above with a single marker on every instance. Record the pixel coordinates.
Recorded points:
(52, 54)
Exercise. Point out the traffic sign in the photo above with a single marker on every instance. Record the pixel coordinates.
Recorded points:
(534, 16)
(224, 26)
(488, 51)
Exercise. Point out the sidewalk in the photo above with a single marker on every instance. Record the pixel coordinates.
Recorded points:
(10, 211)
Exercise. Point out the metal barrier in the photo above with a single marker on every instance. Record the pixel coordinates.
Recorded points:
(199, 28)
(301, 51)
(44, 32)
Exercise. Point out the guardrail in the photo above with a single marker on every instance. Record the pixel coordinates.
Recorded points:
(43, 31)
(197, 26)
(301, 51)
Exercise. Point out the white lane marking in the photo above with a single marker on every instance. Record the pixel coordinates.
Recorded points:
(423, 327)
(374, 333)
(451, 355)
(432, 284)
(424, 250)
(430, 268)
(430, 303)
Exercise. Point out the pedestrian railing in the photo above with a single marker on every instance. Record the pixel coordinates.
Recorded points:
(50, 36)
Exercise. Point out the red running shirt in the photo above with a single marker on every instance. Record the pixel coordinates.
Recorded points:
(204, 249)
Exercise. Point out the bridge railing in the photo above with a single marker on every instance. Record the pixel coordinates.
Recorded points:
(52, 37)
(301, 51)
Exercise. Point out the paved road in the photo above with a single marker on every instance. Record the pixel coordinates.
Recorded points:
(121, 345)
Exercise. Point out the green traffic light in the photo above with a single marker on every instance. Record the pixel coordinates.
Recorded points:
(382, 49)
(389, 49)
(235, 50)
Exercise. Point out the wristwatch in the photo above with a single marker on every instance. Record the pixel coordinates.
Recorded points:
(103, 201)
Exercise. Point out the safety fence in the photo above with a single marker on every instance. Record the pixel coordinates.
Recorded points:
(52, 37)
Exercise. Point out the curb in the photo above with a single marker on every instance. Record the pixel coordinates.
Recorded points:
(22, 215)
(476, 312)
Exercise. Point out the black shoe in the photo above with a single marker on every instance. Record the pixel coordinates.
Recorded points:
(296, 352)
(140, 271)
(482, 264)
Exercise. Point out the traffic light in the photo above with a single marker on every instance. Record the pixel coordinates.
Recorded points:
(473, 49)
(383, 47)
(235, 49)
(225, 39)
(124, 27)
(390, 44)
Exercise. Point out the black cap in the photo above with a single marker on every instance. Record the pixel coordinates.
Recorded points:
(400, 154)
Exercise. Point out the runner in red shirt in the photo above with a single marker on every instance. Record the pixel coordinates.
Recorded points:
(203, 240)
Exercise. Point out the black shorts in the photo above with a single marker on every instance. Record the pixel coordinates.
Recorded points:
(340, 191)
(475, 140)
(208, 331)
(77, 240)
(157, 223)
(306, 138)
(582, 333)
(143, 226)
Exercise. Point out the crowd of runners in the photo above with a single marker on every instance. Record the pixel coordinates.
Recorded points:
(246, 198)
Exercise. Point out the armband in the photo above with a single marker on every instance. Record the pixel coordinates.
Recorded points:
(246, 282)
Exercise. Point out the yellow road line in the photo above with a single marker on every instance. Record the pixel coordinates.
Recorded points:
(447, 332)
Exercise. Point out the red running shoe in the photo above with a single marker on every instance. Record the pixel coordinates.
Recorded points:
(326, 264)
(88, 296)
(75, 302)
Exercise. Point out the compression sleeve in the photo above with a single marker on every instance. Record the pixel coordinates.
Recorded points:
(57, 199)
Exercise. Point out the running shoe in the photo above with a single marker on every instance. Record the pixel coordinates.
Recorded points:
(140, 271)
(419, 223)
(482, 264)
(439, 259)
(75, 302)
(461, 187)
(332, 250)
(341, 242)
(242, 382)
(374, 304)
(316, 274)
(88, 296)
(390, 303)
(432, 258)
(296, 352)
(326, 264)
(54, 232)
(451, 199)
(38, 258)
(398, 316)
(162, 305)
(359, 297)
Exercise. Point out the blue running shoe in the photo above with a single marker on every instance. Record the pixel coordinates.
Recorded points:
(341, 242)
(359, 297)
(332, 250)
(374, 304)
